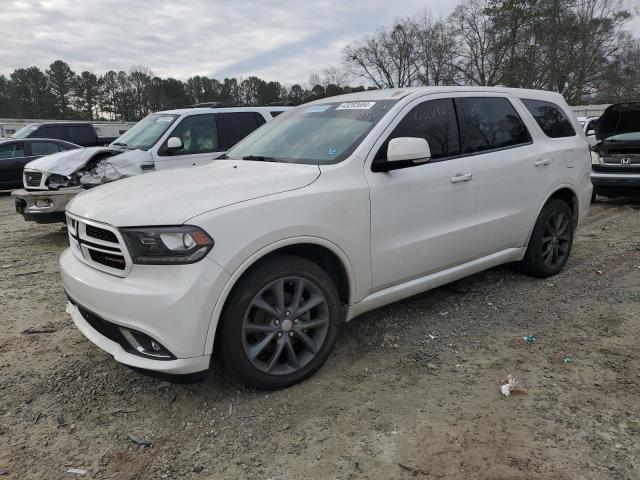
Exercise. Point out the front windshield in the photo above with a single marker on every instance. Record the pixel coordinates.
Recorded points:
(144, 134)
(24, 132)
(313, 134)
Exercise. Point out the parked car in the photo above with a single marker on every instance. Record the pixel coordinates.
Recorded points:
(15, 154)
(616, 156)
(588, 125)
(336, 208)
(174, 138)
(80, 133)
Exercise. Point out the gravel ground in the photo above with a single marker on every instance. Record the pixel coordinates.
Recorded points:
(412, 390)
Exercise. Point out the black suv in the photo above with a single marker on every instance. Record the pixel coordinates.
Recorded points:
(80, 133)
(615, 158)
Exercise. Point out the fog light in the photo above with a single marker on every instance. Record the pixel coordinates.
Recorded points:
(145, 346)
(43, 202)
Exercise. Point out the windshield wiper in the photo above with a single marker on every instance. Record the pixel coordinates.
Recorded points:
(120, 144)
(260, 158)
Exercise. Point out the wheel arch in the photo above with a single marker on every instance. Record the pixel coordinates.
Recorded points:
(319, 250)
(564, 192)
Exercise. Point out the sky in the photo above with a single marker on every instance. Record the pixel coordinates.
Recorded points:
(283, 40)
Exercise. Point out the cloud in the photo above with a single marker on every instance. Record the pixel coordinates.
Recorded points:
(283, 40)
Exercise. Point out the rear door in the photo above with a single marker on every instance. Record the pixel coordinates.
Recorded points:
(512, 172)
(12, 160)
(200, 136)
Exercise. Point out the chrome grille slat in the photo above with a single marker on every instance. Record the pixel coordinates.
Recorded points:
(32, 179)
(98, 245)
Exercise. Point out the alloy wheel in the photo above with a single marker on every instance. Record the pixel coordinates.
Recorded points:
(285, 326)
(556, 240)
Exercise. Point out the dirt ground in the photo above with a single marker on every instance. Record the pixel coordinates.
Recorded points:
(412, 390)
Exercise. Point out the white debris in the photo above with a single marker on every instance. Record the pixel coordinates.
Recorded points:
(77, 471)
(511, 384)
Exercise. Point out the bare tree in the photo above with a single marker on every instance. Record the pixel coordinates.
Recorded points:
(387, 58)
(483, 47)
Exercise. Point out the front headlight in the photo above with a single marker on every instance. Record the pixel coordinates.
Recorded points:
(167, 245)
(595, 158)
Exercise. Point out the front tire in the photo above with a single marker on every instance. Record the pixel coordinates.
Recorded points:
(551, 240)
(280, 323)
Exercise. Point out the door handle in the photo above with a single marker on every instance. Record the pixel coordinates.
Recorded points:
(461, 177)
(542, 162)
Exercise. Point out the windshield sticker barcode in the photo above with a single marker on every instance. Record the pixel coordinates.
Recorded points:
(355, 106)
(316, 108)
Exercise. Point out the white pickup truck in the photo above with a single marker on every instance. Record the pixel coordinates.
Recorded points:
(169, 139)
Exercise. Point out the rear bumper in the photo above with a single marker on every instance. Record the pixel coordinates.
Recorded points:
(45, 206)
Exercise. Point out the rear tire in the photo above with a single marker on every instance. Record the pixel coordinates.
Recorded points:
(280, 323)
(551, 240)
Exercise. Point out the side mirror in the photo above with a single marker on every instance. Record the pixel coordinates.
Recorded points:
(174, 144)
(408, 149)
(403, 152)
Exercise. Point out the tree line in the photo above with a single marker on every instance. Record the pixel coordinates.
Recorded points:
(60, 93)
(575, 47)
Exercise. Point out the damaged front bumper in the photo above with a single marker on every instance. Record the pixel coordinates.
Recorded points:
(43, 206)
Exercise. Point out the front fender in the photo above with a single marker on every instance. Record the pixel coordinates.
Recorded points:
(261, 253)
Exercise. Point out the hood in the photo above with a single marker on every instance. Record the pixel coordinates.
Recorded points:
(171, 197)
(619, 119)
(65, 163)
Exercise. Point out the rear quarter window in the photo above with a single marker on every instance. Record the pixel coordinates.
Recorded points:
(550, 117)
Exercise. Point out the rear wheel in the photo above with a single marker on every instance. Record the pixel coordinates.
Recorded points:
(551, 241)
(281, 323)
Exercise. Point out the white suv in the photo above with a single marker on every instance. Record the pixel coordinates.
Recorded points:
(330, 210)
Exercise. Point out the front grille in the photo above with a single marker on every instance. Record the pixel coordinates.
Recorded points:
(33, 179)
(101, 234)
(616, 169)
(98, 245)
(108, 259)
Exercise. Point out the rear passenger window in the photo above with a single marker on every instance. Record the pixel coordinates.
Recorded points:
(51, 132)
(435, 121)
(82, 135)
(552, 120)
(491, 123)
(43, 148)
(238, 125)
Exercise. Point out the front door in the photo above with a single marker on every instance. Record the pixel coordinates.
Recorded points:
(200, 139)
(423, 216)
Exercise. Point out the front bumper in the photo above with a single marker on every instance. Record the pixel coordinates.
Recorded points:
(616, 183)
(172, 304)
(43, 206)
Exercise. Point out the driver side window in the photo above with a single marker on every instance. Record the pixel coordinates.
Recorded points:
(199, 134)
(433, 120)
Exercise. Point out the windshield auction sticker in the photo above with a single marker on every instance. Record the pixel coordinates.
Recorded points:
(355, 106)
